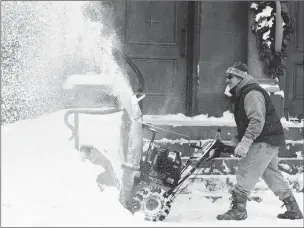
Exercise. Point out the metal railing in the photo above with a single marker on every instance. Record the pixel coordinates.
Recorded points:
(75, 128)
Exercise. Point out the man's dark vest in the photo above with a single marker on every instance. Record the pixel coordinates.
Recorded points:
(272, 132)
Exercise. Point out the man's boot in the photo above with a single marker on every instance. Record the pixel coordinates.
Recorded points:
(293, 210)
(238, 209)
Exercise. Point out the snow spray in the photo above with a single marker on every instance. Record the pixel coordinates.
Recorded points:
(44, 42)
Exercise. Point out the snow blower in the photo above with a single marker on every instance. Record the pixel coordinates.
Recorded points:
(151, 179)
(163, 175)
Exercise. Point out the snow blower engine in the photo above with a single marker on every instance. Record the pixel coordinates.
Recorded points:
(163, 174)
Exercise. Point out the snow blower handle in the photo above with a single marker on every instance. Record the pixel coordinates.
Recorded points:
(223, 148)
(210, 149)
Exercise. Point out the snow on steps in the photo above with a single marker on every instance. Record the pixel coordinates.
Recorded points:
(227, 132)
(293, 149)
(291, 156)
(219, 175)
(213, 180)
(201, 128)
(228, 165)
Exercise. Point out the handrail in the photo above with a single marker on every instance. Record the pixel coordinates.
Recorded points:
(76, 112)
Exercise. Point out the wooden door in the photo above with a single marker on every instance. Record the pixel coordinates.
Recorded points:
(154, 37)
(295, 63)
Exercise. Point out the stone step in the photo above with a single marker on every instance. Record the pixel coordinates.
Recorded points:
(223, 183)
(219, 174)
(228, 166)
(293, 149)
(208, 132)
(294, 134)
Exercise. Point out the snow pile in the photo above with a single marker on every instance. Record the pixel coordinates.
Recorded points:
(46, 182)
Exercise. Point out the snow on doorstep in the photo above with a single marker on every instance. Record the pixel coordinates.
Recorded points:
(185, 141)
(200, 120)
(204, 120)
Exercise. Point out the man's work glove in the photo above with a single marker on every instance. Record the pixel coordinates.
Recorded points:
(233, 142)
(242, 148)
(228, 148)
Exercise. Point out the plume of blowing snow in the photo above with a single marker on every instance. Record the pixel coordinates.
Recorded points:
(44, 42)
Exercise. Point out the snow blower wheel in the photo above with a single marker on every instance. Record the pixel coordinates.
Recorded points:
(152, 201)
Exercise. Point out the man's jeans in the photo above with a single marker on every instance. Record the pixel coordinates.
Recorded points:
(261, 161)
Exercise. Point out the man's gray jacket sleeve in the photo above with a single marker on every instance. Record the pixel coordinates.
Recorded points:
(254, 104)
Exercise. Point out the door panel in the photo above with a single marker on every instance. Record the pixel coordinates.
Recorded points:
(154, 38)
(295, 63)
(151, 23)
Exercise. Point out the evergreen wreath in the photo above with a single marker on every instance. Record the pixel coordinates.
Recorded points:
(264, 29)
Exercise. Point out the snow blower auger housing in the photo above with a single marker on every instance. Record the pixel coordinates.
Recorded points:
(163, 175)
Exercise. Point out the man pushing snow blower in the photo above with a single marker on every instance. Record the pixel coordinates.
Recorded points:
(152, 179)
(260, 133)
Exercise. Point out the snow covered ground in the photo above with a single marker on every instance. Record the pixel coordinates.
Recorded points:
(46, 182)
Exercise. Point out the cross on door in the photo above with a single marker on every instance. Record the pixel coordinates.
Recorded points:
(151, 21)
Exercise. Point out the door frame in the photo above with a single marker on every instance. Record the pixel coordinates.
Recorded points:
(193, 46)
(289, 74)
